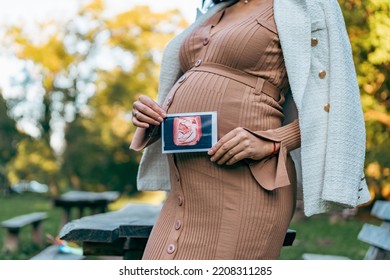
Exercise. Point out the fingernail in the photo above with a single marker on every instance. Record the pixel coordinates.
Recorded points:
(212, 159)
(164, 115)
(160, 119)
(210, 152)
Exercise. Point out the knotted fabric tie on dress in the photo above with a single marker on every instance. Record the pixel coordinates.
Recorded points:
(271, 172)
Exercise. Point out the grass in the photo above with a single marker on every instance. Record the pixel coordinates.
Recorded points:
(321, 236)
(14, 205)
(317, 234)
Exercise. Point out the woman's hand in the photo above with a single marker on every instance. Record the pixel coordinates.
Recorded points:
(146, 112)
(240, 144)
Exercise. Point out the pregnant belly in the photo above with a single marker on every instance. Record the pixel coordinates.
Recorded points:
(236, 104)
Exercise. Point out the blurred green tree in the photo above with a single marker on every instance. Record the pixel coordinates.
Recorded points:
(90, 70)
(34, 161)
(368, 23)
(9, 137)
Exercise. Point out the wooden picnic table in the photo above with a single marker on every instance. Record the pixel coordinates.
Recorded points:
(120, 233)
(117, 233)
(96, 201)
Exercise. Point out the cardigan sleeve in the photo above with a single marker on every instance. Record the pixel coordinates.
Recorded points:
(271, 172)
(143, 137)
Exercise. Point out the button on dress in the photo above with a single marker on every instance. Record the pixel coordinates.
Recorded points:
(233, 65)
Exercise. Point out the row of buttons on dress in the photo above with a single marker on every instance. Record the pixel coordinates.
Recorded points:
(197, 63)
(169, 99)
(206, 40)
(322, 74)
(171, 247)
(180, 81)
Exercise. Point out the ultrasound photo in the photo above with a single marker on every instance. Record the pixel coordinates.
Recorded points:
(189, 132)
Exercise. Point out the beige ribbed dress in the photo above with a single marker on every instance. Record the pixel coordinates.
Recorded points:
(233, 65)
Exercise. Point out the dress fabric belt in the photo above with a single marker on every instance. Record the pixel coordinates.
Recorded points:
(256, 82)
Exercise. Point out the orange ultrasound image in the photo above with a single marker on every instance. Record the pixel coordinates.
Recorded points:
(187, 131)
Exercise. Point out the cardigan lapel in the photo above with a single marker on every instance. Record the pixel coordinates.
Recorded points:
(295, 42)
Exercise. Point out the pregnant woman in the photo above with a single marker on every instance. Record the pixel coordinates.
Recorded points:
(264, 66)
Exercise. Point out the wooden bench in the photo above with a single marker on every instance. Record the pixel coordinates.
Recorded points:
(378, 237)
(121, 233)
(97, 202)
(14, 225)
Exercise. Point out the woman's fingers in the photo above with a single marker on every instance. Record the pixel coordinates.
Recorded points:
(215, 151)
(138, 123)
(237, 145)
(144, 114)
(153, 105)
(147, 112)
(227, 147)
(237, 157)
(143, 111)
(233, 155)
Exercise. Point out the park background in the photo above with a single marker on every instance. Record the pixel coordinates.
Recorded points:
(69, 76)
